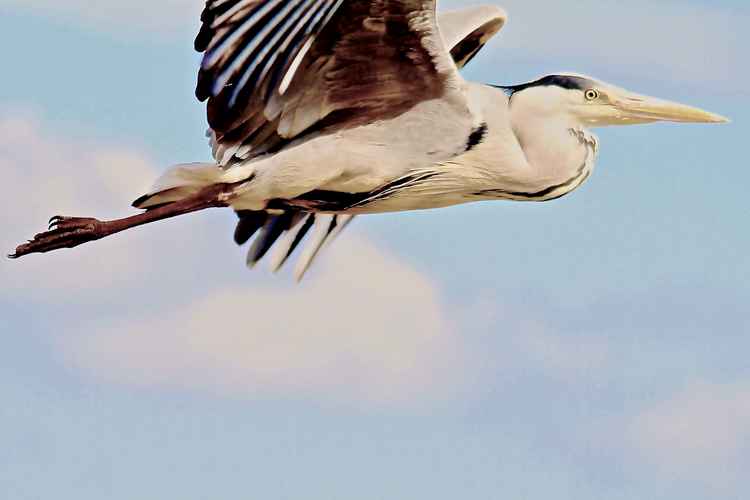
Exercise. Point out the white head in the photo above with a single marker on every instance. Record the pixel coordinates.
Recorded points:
(592, 103)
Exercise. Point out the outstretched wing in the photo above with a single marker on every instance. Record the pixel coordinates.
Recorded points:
(465, 32)
(275, 69)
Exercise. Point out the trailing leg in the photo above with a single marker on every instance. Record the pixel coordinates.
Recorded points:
(69, 232)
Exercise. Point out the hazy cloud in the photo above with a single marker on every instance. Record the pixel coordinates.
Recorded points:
(45, 175)
(704, 427)
(367, 329)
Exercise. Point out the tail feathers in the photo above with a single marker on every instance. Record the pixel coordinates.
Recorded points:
(179, 182)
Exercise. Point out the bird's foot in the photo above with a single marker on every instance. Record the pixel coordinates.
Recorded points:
(64, 232)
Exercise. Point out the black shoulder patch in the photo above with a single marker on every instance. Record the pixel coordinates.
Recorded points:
(476, 137)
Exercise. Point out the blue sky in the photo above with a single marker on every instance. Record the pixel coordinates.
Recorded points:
(592, 347)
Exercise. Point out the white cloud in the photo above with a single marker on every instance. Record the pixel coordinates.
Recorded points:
(45, 175)
(701, 433)
(367, 329)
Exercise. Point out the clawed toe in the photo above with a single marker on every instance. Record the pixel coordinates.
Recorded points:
(64, 232)
(61, 222)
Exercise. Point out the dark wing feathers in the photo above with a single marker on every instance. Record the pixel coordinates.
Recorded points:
(267, 36)
(265, 60)
(274, 227)
(288, 229)
(272, 69)
(249, 223)
(295, 237)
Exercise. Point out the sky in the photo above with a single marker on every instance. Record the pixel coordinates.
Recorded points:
(587, 348)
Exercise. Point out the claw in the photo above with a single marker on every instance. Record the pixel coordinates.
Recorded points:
(58, 220)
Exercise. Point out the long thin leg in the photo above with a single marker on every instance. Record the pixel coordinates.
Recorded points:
(69, 232)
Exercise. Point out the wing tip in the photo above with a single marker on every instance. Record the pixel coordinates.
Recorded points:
(286, 232)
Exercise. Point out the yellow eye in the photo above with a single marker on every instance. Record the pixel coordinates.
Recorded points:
(592, 95)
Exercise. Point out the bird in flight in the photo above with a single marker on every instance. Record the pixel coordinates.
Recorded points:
(321, 110)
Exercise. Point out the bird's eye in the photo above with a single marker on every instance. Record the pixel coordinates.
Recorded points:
(592, 94)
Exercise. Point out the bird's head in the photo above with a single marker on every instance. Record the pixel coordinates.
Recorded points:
(593, 103)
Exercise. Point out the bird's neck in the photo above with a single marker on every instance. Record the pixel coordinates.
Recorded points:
(559, 156)
(521, 156)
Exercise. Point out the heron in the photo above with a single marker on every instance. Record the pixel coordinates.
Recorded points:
(322, 110)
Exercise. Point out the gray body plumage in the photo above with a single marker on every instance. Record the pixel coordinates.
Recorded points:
(410, 162)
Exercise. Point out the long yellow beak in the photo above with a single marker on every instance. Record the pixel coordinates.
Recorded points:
(649, 109)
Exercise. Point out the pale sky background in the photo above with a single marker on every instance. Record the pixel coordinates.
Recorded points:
(595, 347)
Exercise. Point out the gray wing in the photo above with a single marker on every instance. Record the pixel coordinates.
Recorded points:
(273, 70)
(464, 33)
